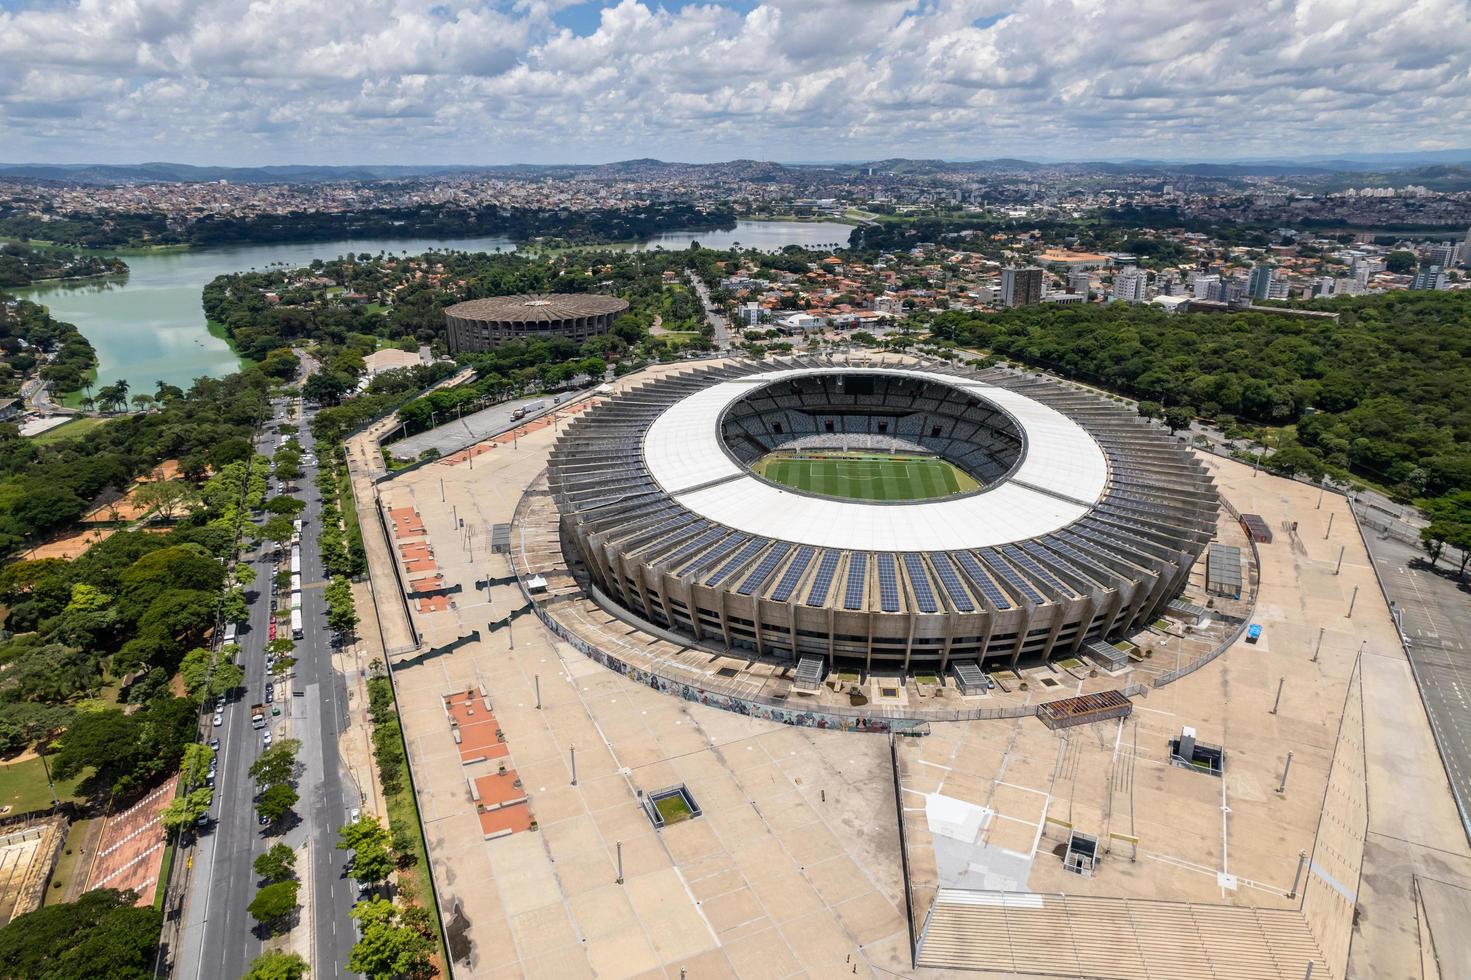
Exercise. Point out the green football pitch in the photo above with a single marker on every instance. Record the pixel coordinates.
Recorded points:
(865, 476)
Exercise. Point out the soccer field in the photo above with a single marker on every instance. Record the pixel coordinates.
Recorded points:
(865, 476)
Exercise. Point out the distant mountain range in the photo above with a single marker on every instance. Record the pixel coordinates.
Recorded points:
(1448, 169)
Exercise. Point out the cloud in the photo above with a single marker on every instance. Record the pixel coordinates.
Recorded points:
(499, 81)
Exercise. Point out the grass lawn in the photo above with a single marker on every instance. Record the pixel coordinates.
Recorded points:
(73, 399)
(163, 872)
(866, 476)
(72, 429)
(70, 862)
(23, 787)
(673, 809)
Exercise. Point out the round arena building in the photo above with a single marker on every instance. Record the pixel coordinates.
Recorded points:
(910, 517)
(480, 324)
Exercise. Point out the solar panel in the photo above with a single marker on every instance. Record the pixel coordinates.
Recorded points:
(945, 568)
(888, 584)
(703, 563)
(690, 547)
(764, 570)
(920, 582)
(1042, 574)
(743, 556)
(994, 562)
(982, 580)
(823, 580)
(857, 571)
(788, 583)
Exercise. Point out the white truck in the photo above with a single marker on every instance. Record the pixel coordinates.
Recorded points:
(526, 410)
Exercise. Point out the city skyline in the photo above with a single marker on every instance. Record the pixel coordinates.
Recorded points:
(543, 81)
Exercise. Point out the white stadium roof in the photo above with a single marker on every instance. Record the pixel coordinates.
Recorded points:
(1062, 474)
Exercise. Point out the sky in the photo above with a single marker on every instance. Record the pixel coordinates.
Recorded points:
(253, 82)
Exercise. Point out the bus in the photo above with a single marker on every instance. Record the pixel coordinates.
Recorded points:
(296, 631)
(295, 561)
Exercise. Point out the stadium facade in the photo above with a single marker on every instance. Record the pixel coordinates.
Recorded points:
(480, 324)
(1085, 525)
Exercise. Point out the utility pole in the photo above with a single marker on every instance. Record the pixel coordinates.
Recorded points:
(1353, 599)
(573, 750)
(1286, 768)
(1280, 681)
(1317, 649)
(1331, 515)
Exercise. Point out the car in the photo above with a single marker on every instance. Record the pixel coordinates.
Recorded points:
(214, 744)
(355, 816)
(265, 740)
(202, 820)
(270, 694)
(260, 818)
(219, 718)
(210, 779)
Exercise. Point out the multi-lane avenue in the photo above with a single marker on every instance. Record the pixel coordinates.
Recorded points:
(220, 938)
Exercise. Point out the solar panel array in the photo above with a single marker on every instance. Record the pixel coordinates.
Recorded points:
(982, 580)
(888, 584)
(765, 569)
(788, 583)
(1012, 578)
(950, 579)
(823, 580)
(920, 582)
(742, 556)
(690, 547)
(1042, 575)
(857, 572)
(706, 561)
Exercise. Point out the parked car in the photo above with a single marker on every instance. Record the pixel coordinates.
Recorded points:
(219, 718)
(266, 740)
(214, 743)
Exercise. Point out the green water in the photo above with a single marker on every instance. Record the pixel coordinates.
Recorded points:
(149, 326)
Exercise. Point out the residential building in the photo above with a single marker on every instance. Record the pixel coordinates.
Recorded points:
(1429, 277)
(1021, 287)
(1260, 285)
(1081, 282)
(1205, 285)
(1130, 284)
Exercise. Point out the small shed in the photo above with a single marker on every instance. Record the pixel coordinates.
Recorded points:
(1223, 571)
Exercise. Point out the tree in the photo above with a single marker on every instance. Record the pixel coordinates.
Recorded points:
(1450, 524)
(244, 573)
(372, 850)
(197, 759)
(325, 388)
(102, 934)
(1400, 263)
(1151, 410)
(235, 608)
(166, 497)
(1178, 417)
(281, 646)
(278, 528)
(388, 947)
(273, 903)
(277, 966)
(277, 764)
(284, 504)
(1432, 539)
(276, 801)
(183, 811)
(277, 864)
(207, 674)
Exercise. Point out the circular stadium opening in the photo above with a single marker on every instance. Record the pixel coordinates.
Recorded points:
(879, 438)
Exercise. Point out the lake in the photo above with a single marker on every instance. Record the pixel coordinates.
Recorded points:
(150, 326)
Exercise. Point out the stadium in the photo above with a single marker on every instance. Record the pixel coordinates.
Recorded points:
(923, 518)
(480, 324)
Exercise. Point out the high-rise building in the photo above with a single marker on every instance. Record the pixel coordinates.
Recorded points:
(1080, 281)
(1204, 284)
(1260, 285)
(1443, 255)
(1429, 277)
(1129, 284)
(1021, 287)
(1279, 289)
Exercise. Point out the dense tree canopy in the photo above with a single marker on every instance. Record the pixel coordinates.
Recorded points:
(101, 934)
(1386, 384)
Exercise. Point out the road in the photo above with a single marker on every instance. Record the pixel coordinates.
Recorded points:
(1435, 619)
(219, 939)
(723, 337)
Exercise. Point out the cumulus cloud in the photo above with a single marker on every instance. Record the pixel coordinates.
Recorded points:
(499, 81)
